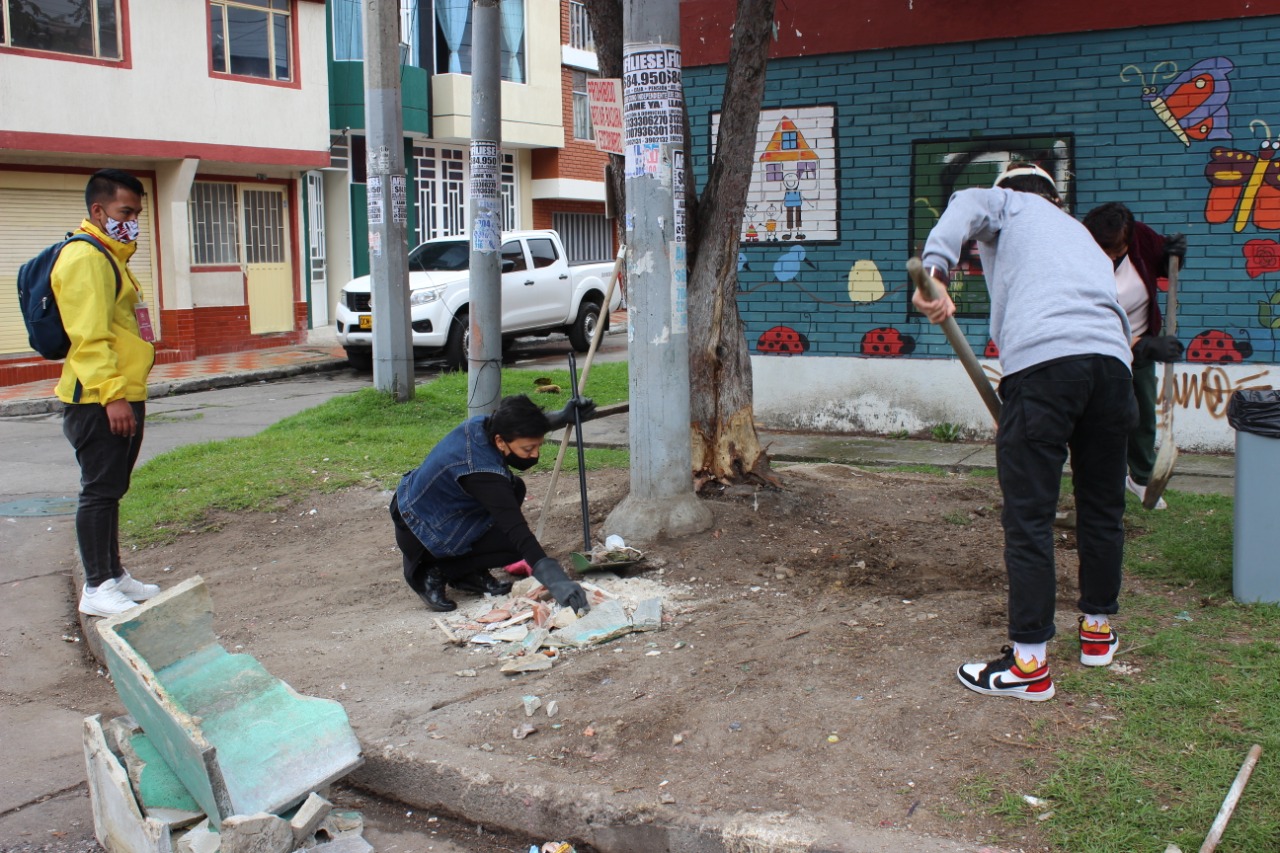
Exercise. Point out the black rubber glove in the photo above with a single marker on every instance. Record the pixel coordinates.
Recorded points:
(1175, 246)
(585, 406)
(1158, 348)
(567, 593)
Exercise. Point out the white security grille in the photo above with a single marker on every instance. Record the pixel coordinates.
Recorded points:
(264, 227)
(580, 28)
(214, 230)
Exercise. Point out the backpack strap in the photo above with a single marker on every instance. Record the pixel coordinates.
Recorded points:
(85, 237)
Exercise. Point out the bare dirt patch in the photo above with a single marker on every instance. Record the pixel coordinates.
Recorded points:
(805, 667)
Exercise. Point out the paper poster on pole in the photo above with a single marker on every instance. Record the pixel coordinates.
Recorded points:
(653, 106)
(399, 200)
(486, 230)
(373, 186)
(604, 95)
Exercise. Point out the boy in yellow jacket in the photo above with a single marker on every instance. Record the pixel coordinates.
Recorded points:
(104, 381)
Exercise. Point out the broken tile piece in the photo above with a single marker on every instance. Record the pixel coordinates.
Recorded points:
(563, 618)
(552, 707)
(648, 615)
(531, 704)
(307, 819)
(527, 663)
(346, 844)
(256, 833)
(116, 814)
(511, 634)
(198, 839)
(605, 622)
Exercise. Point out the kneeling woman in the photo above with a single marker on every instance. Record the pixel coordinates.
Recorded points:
(457, 515)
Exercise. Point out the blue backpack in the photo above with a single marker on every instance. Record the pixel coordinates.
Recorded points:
(35, 297)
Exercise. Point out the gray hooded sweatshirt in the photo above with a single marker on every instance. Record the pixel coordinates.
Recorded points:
(1053, 290)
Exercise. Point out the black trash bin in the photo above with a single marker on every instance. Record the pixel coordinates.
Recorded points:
(1255, 416)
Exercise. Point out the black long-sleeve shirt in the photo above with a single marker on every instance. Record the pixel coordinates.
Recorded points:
(502, 499)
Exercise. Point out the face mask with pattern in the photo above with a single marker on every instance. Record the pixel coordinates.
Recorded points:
(122, 232)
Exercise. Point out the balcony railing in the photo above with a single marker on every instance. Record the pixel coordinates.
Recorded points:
(580, 28)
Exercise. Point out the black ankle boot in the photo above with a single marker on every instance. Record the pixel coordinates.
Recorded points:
(433, 594)
(482, 582)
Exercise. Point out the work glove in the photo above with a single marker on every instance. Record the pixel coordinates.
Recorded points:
(1158, 348)
(1175, 246)
(585, 406)
(567, 593)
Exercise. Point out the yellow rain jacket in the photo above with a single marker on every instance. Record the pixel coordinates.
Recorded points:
(108, 359)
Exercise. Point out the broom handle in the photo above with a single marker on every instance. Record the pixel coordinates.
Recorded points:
(582, 384)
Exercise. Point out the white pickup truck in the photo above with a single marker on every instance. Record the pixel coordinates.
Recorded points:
(541, 293)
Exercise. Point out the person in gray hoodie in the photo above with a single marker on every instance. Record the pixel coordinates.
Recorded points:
(1066, 390)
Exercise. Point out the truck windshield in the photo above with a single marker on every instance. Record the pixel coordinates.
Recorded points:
(451, 256)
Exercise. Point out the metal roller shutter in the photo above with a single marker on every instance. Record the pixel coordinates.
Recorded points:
(34, 218)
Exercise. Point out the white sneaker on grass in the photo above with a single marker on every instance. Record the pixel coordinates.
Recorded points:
(105, 600)
(136, 589)
(1141, 492)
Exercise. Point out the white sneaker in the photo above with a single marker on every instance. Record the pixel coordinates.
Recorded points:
(1141, 492)
(106, 600)
(136, 589)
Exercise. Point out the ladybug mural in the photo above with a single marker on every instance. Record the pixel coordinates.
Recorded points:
(887, 341)
(1217, 347)
(991, 350)
(782, 340)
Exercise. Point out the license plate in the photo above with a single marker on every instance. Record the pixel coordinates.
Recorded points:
(366, 321)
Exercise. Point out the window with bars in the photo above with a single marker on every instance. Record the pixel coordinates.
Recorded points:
(75, 27)
(580, 35)
(441, 175)
(587, 237)
(582, 128)
(213, 225)
(251, 38)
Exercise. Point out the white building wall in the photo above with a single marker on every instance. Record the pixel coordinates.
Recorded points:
(884, 396)
(168, 93)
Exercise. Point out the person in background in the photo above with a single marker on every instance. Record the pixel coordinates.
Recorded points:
(104, 381)
(457, 515)
(1064, 352)
(1140, 256)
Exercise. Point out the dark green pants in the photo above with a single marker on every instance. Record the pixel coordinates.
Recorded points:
(1142, 441)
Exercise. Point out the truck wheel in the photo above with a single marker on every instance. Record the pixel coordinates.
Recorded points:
(459, 342)
(585, 326)
(360, 358)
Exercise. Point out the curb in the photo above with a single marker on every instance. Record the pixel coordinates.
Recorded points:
(47, 405)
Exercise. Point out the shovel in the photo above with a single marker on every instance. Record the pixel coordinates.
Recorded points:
(1162, 471)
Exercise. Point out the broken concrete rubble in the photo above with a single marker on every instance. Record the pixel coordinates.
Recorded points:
(217, 732)
(256, 833)
(241, 740)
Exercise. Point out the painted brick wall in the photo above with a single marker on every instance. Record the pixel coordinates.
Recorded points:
(1066, 85)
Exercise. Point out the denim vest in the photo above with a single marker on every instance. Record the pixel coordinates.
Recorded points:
(434, 505)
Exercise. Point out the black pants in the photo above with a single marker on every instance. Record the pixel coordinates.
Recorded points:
(491, 550)
(1142, 441)
(106, 465)
(1084, 406)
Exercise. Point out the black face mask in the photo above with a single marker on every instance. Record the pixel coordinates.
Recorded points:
(520, 463)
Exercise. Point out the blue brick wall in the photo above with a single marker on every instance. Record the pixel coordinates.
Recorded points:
(1033, 86)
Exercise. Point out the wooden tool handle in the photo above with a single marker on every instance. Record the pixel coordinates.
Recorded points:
(924, 283)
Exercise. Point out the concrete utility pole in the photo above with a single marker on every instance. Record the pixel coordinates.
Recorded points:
(661, 501)
(388, 203)
(484, 359)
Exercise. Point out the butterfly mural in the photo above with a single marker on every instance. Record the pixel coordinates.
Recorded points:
(1242, 185)
(1194, 104)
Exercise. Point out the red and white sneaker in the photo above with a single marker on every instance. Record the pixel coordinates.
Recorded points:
(1003, 677)
(1097, 648)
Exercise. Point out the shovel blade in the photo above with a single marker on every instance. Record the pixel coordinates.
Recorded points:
(1161, 473)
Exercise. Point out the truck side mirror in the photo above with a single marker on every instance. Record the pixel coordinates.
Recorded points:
(508, 265)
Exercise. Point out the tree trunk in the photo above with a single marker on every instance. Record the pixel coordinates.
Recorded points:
(726, 448)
